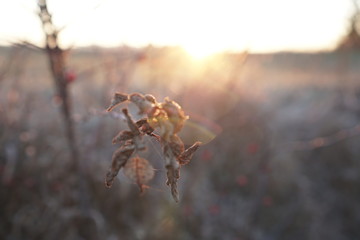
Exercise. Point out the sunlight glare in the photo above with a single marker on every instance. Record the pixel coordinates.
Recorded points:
(201, 27)
(200, 51)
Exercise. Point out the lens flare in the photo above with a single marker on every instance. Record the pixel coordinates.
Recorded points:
(200, 129)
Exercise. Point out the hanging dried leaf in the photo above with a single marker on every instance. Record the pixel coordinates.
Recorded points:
(139, 170)
(186, 156)
(172, 176)
(173, 170)
(119, 159)
(117, 99)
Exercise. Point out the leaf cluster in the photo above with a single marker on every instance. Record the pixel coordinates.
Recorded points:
(168, 119)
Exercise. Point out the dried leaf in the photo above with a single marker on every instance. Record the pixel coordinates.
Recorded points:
(173, 171)
(133, 127)
(186, 156)
(143, 103)
(119, 159)
(117, 99)
(175, 114)
(122, 136)
(141, 122)
(166, 127)
(172, 176)
(139, 170)
(176, 145)
(144, 126)
(168, 118)
(150, 98)
(135, 130)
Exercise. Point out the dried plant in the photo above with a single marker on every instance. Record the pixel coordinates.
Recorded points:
(57, 63)
(169, 118)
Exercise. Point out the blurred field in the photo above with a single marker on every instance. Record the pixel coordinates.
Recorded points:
(280, 159)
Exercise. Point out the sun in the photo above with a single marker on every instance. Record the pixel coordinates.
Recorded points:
(200, 51)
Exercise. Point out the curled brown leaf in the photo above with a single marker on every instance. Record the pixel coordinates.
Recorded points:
(119, 159)
(186, 156)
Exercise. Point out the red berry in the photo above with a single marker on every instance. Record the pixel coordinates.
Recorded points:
(242, 181)
(70, 76)
(252, 148)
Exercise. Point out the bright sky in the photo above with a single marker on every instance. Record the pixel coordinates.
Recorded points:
(200, 26)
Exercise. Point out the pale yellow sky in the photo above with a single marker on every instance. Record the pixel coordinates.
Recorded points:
(200, 26)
